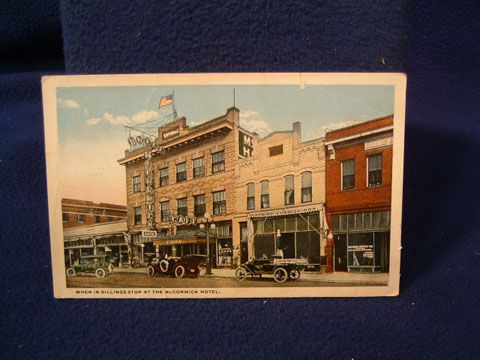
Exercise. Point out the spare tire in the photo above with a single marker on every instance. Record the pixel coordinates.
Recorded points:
(163, 266)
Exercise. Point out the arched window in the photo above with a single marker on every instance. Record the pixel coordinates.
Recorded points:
(289, 194)
(306, 187)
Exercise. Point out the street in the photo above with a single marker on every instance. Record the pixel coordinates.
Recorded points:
(139, 280)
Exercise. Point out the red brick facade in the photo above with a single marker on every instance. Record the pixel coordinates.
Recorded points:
(77, 213)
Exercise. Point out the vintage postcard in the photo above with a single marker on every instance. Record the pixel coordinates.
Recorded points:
(225, 185)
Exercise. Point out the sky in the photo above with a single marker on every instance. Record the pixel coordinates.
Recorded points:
(92, 120)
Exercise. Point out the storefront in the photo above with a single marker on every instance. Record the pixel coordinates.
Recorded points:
(362, 241)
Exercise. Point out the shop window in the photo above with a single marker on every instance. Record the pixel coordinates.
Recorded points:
(165, 211)
(218, 162)
(164, 176)
(259, 227)
(224, 231)
(136, 184)
(199, 205)
(265, 199)
(81, 218)
(374, 170)
(348, 174)
(182, 207)
(251, 196)
(289, 194)
(276, 150)
(351, 222)
(336, 223)
(198, 167)
(314, 222)
(360, 250)
(268, 226)
(181, 172)
(306, 187)
(97, 219)
(65, 217)
(384, 219)
(279, 224)
(302, 223)
(137, 214)
(308, 246)
(264, 246)
(219, 203)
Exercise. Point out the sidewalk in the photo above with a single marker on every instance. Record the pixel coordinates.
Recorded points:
(337, 277)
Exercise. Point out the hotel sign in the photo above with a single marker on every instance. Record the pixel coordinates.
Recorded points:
(149, 234)
(375, 144)
(171, 133)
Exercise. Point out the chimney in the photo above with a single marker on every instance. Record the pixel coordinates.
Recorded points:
(297, 128)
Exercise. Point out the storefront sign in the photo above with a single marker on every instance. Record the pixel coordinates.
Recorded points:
(183, 220)
(171, 133)
(149, 190)
(375, 144)
(284, 212)
(245, 144)
(149, 234)
(139, 140)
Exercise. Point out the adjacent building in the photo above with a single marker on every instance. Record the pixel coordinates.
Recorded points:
(358, 194)
(280, 198)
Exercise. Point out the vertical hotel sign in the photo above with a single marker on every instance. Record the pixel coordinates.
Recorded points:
(149, 190)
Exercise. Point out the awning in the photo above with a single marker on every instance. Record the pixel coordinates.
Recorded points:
(286, 211)
(180, 242)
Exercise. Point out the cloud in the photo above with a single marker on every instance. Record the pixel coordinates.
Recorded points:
(333, 126)
(71, 104)
(140, 117)
(252, 121)
(248, 113)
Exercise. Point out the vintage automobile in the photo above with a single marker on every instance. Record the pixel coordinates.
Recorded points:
(281, 269)
(186, 266)
(100, 265)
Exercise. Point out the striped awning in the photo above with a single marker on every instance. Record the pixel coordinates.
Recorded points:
(180, 241)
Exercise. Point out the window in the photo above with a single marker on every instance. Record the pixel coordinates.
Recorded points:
(65, 217)
(182, 207)
(165, 211)
(219, 203)
(81, 218)
(136, 184)
(306, 187)
(348, 174)
(265, 199)
(97, 219)
(218, 162)
(251, 196)
(198, 167)
(276, 150)
(289, 190)
(137, 213)
(199, 205)
(164, 176)
(375, 170)
(181, 172)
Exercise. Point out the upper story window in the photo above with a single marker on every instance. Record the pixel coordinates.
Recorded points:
(348, 174)
(165, 211)
(289, 190)
(251, 196)
(182, 207)
(81, 218)
(136, 184)
(219, 203)
(199, 167)
(276, 150)
(137, 215)
(181, 172)
(218, 162)
(306, 187)
(199, 208)
(97, 219)
(164, 176)
(375, 170)
(65, 217)
(265, 192)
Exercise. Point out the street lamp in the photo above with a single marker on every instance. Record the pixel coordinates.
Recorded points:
(208, 220)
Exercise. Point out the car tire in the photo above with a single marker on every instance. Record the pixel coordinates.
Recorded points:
(71, 272)
(150, 271)
(294, 274)
(241, 273)
(280, 275)
(163, 266)
(100, 273)
(179, 271)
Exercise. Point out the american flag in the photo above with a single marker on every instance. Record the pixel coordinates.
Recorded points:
(166, 100)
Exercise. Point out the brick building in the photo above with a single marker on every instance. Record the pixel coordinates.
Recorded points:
(172, 181)
(280, 198)
(94, 228)
(358, 194)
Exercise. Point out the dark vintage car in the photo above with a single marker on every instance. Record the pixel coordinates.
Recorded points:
(281, 269)
(100, 265)
(186, 266)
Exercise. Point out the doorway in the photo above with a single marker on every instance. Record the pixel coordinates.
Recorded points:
(340, 242)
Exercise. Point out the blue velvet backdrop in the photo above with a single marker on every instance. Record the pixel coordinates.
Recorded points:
(437, 314)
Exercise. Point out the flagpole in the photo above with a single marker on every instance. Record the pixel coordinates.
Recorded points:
(174, 108)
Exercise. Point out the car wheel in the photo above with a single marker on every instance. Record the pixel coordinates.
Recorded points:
(294, 274)
(100, 273)
(280, 275)
(71, 272)
(241, 273)
(164, 266)
(179, 271)
(150, 271)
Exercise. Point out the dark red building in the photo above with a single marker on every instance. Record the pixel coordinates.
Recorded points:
(358, 194)
(76, 213)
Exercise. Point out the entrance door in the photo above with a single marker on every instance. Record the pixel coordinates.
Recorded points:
(286, 242)
(340, 242)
